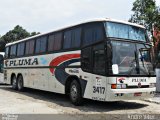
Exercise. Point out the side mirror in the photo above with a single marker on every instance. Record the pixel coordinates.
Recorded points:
(115, 69)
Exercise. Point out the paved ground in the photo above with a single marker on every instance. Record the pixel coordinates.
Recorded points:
(39, 102)
(1, 78)
(155, 99)
(35, 101)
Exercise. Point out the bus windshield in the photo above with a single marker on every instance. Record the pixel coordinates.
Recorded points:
(131, 59)
(119, 30)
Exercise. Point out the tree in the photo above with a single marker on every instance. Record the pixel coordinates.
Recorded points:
(34, 33)
(146, 13)
(16, 34)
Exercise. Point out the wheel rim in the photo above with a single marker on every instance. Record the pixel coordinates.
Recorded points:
(74, 92)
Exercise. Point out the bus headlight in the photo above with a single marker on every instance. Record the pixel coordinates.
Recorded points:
(118, 86)
(152, 85)
(124, 86)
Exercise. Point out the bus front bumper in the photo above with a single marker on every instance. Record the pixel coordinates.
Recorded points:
(130, 94)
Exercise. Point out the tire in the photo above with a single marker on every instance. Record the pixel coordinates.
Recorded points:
(75, 93)
(14, 82)
(20, 83)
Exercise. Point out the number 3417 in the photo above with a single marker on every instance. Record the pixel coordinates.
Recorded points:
(100, 90)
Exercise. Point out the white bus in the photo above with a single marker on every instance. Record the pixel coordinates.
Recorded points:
(1, 61)
(104, 59)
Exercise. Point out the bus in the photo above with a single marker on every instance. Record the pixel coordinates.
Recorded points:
(101, 59)
(1, 61)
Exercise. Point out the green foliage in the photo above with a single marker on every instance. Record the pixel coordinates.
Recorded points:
(34, 33)
(146, 13)
(16, 34)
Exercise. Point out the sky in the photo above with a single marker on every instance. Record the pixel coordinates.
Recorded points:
(47, 15)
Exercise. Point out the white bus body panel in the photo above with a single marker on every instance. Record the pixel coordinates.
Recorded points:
(94, 86)
(34, 77)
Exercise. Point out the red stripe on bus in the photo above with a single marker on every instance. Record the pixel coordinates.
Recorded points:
(60, 59)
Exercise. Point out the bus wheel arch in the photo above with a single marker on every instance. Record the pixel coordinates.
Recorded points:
(73, 88)
(20, 82)
(68, 83)
(14, 81)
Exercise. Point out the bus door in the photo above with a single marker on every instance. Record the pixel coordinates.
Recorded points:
(98, 77)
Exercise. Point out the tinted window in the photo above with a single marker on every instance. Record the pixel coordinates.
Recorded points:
(50, 42)
(41, 44)
(54, 41)
(93, 33)
(57, 41)
(76, 37)
(7, 52)
(99, 59)
(20, 49)
(13, 51)
(30, 47)
(86, 60)
(67, 39)
(72, 38)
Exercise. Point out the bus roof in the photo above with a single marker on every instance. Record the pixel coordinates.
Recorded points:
(94, 20)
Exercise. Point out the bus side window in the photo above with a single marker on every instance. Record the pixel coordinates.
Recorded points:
(41, 44)
(67, 39)
(54, 41)
(99, 59)
(29, 47)
(13, 51)
(76, 38)
(86, 59)
(7, 52)
(20, 49)
(51, 40)
(72, 38)
(57, 41)
(93, 33)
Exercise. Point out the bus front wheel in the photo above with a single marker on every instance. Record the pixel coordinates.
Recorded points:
(75, 93)
(20, 83)
(14, 82)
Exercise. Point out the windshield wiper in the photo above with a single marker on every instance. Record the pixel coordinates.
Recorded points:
(134, 65)
(142, 59)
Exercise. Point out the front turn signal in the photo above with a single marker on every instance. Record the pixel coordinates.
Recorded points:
(113, 86)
